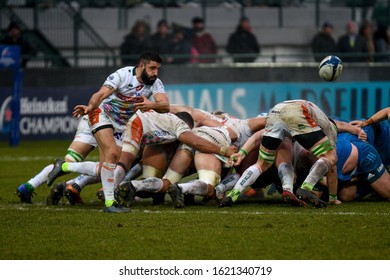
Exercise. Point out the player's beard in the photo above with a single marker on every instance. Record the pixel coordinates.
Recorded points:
(147, 79)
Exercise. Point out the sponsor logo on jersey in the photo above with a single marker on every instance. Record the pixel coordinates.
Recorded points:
(134, 98)
(380, 168)
(139, 87)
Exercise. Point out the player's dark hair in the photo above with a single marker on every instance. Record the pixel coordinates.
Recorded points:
(218, 113)
(186, 117)
(148, 56)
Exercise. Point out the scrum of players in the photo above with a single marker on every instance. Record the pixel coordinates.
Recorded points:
(358, 151)
(309, 158)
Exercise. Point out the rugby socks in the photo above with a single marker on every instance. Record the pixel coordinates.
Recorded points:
(29, 186)
(286, 175)
(119, 175)
(83, 180)
(152, 184)
(227, 184)
(195, 187)
(107, 176)
(317, 171)
(40, 178)
(249, 176)
(86, 167)
(134, 172)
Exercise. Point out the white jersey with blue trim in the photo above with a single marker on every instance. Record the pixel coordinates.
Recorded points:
(128, 90)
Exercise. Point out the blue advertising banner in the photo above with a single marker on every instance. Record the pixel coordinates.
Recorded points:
(346, 100)
(46, 113)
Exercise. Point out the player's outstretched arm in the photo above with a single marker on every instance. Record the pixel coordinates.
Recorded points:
(94, 102)
(348, 127)
(205, 146)
(377, 117)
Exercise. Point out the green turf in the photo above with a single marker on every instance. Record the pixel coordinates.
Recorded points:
(265, 229)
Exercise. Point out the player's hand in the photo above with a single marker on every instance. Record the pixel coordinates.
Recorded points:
(80, 110)
(231, 150)
(357, 123)
(143, 106)
(236, 159)
(362, 135)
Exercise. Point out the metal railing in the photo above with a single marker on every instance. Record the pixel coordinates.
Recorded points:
(70, 33)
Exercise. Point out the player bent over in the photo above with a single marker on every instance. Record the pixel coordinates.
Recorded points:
(304, 122)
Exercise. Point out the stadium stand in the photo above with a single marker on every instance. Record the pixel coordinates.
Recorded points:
(81, 28)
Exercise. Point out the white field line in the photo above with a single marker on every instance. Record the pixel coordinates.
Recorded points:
(34, 158)
(318, 212)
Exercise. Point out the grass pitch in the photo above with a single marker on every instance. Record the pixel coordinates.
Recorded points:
(254, 230)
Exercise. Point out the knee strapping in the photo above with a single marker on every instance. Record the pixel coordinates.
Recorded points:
(73, 156)
(322, 148)
(267, 157)
(172, 176)
(150, 171)
(209, 177)
(131, 149)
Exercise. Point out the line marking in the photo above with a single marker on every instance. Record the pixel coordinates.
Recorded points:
(21, 207)
(36, 158)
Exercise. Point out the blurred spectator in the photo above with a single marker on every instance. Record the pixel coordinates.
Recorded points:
(381, 42)
(161, 40)
(14, 36)
(202, 41)
(367, 31)
(323, 43)
(135, 43)
(352, 46)
(181, 48)
(242, 42)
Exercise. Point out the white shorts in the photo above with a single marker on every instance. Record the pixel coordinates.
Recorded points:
(84, 133)
(290, 119)
(98, 119)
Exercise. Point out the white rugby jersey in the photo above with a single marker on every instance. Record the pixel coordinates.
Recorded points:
(119, 105)
(321, 118)
(241, 128)
(161, 128)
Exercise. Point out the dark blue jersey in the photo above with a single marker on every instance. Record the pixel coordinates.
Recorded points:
(369, 166)
(379, 136)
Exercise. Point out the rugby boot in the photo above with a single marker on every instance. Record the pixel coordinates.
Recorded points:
(311, 198)
(116, 208)
(126, 193)
(56, 193)
(291, 198)
(100, 194)
(226, 202)
(25, 194)
(55, 172)
(176, 194)
(73, 195)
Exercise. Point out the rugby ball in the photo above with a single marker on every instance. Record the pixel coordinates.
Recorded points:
(330, 68)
